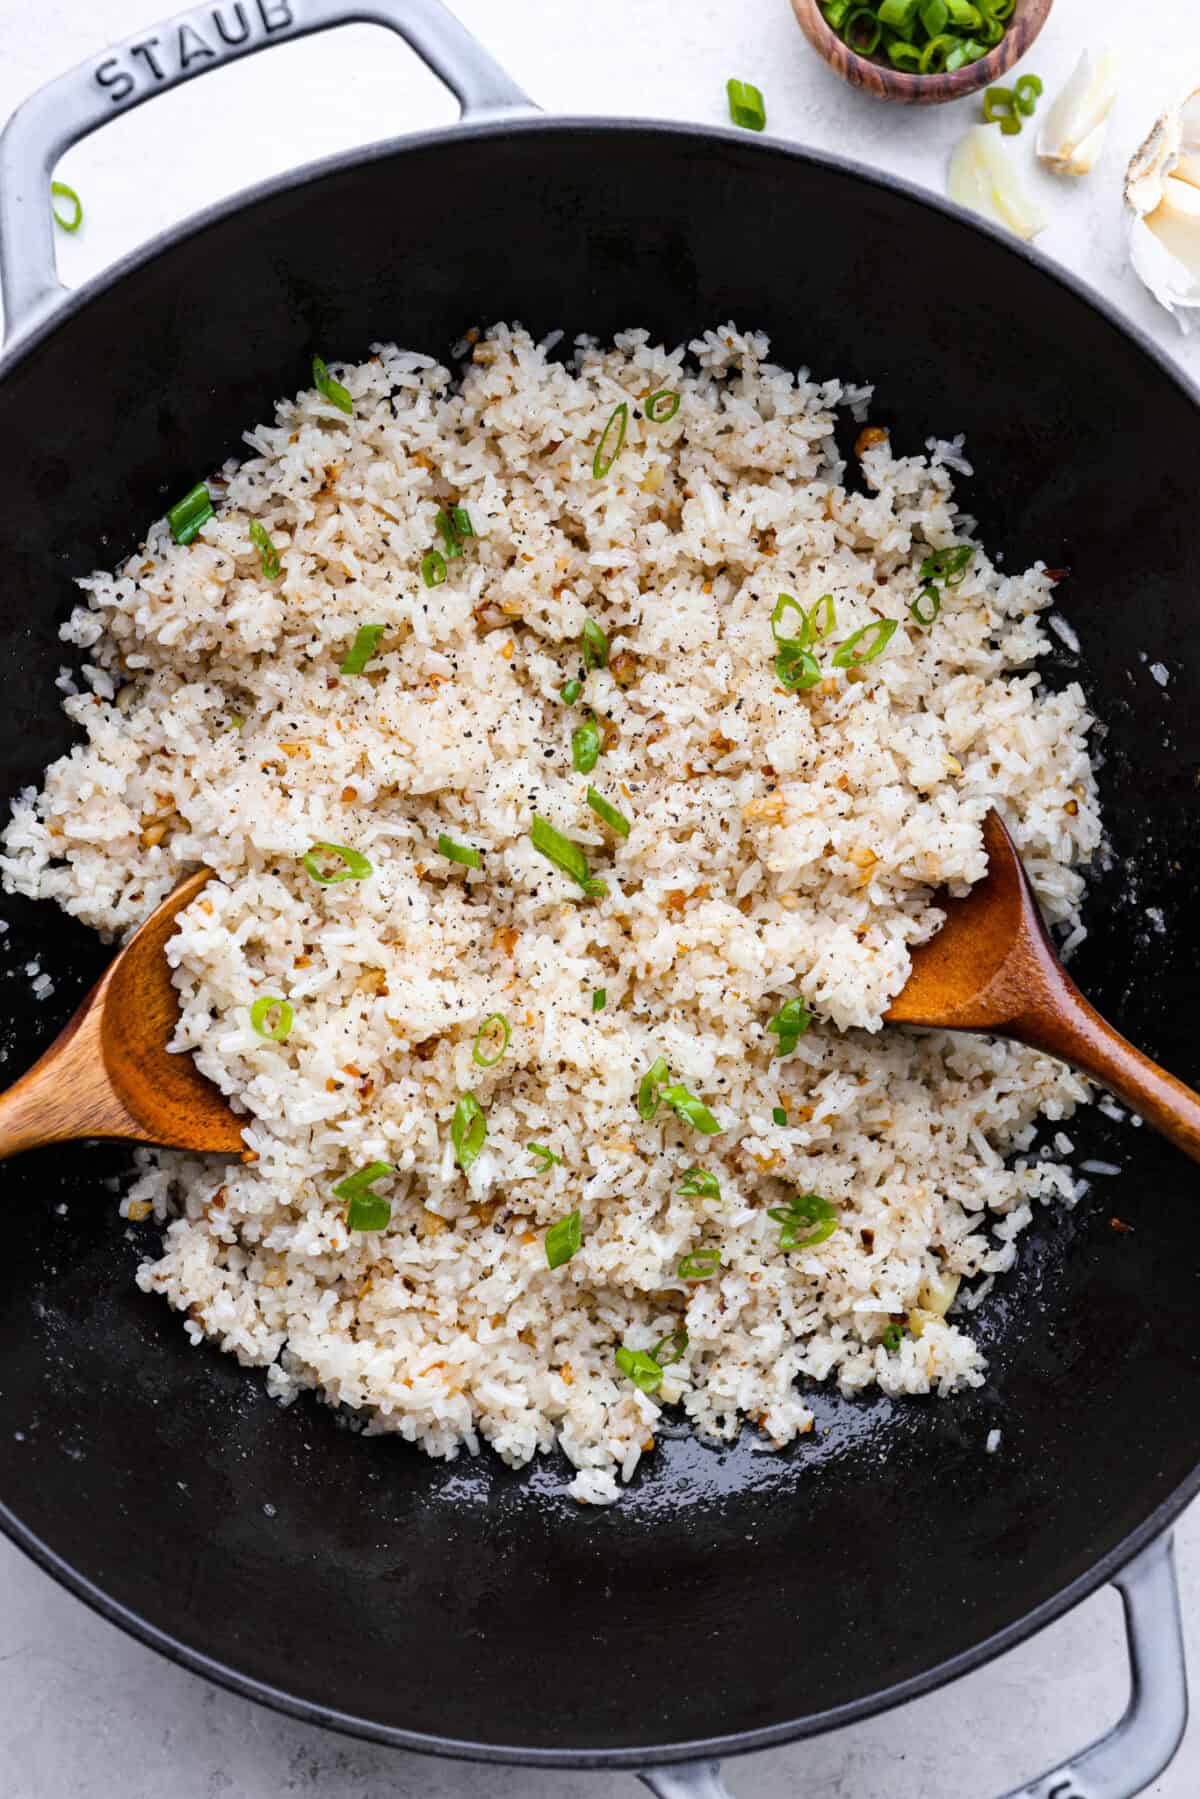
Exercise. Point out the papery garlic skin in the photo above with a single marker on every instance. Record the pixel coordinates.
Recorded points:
(1072, 133)
(982, 178)
(1162, 189)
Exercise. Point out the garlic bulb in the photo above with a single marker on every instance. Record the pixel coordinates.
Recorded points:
(1162, 190)
(982, 177)
(1072, 133)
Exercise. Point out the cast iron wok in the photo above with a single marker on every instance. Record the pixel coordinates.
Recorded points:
(733, 1599)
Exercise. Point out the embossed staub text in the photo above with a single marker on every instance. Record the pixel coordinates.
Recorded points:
(183, 48)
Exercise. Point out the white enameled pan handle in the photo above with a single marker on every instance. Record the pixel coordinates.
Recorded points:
(191, 44)
(1123, 1763)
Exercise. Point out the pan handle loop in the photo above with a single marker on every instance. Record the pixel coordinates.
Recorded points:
(1123, 1763)
(1142, 1742)
(152, 61)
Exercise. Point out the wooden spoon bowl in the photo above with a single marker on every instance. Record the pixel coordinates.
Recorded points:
(886, 83)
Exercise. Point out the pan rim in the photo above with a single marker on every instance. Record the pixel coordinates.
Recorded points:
(514, 123)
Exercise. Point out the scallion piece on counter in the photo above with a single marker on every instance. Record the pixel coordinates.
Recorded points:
(616, 821)
(614, 431)
(650, 1088)
(354, 866)
(585, 747)
(562, 1240)
(599, 999)
(60, 191)
(660, 408)
(746, 106)
(701, 1265)
(778, 1114)
(892, 1338)
(594, 645)
(261, 1011)
(698, 1183)
(329, 389)
(642, 1369)
(445, 525)
(468, 1128)
(571, 691)
(789, 1025)
(546, 1156)
(805, 1221)
(874, 638)
(669, 1349)
(362, 649)
(186, 516)
(365, 1211)
(693, 1111)
(268, 555)
(495, 1021)
(458, 852)
(433, 568)
(564, 854)
(927, 605)
(1000, 108)
(1027, 91)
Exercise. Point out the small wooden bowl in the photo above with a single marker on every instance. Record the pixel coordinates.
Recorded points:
(886, 83)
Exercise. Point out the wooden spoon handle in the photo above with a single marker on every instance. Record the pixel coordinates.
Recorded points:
(1075, 1032)
(65, 1094)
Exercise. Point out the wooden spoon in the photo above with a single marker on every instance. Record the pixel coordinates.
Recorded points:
(109, 1073)
(991, 968)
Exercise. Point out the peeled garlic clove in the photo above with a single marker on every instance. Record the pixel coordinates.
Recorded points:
(1072, 133)
(983, 179)
(1162, 188)
(1174, 284)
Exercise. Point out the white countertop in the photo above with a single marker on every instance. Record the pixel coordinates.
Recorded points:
(86, 1712)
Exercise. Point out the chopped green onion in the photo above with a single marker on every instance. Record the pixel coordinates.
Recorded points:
(186, 516)
(585, 746)
(619, 417)
(641, 1368)
(433, 568)
(701, 1265)
(268, 555)
(899, 14)
(547, 1156)
(594, 645)
(650, 1088)
(331, 390)
(835, 12)
(963, 14)
(261, 1010)
(746, 105)
(892, 1338)
(445, 524)
(862, 31)
(948, 565)
(461, 520)
(804, 1209)
(934, 14)
(562, 1240)
(904, 56)
(926, 613)
(458, 852)
(692, 1110)
(676, 1343)
(822, 618)
(991, 31)
(616, 821)
(365, 1211)
(778, 1114)
(880, 631)
(938, 52)
(354, 867)
(60, 191)
(1000, 108)
(468, 1128)
(477, 1055)
(599, 999)
(660, 408)
(698, 1183)
(362, 649)
(789, 1024)
(571, 691)
(796, 668)
(564, 854)
(804, 635)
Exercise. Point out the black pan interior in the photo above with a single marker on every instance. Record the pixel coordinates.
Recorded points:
(731, 1592)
